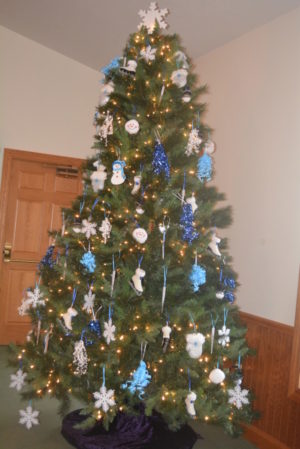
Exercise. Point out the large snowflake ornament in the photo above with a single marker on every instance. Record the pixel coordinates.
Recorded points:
(29, 417)
(238, 397)
(88, 228)
(109, 331)
(224, 337)
(104, 398)
(148, 53)
(150, 17)
(89, 301)
(33, 300)
(17, 380)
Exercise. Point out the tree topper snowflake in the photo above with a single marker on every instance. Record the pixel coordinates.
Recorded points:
(104, 398)
(150, 17)
(17, 380)
(109, 331)
(224, 336)
(29, 417)
(238, 397)
(89, 301)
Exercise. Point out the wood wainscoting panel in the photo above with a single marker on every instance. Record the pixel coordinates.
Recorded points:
(267, 375)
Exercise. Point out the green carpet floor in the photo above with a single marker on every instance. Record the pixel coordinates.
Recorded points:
(47, 434)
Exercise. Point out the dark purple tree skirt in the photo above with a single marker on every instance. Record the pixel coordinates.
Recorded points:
(128, 432)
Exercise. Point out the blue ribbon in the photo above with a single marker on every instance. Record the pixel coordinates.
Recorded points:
(239, 361)
(113, 263)
(110, 311)
(189, 377)
(140, 259)
(74, 296)
(225, 315)
(103, 374)
(95, 203)
(214, 322)
(165, 275)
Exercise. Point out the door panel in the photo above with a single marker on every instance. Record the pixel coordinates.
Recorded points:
(34, 188)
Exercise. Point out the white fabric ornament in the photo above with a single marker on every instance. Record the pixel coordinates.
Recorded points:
(192, 201)
(148, 53)
(17, 380)
(140, 235)
(106, 90)
(220, 295)
(181, 59)
(189, 402)
(224, 336)
(88, 228)
(132, 126)
(29, 417)
(238, 397)
(67, 317)
(216, 376)
(106, 129)
(137, 184)
(194, 142)
(213, 245)
(80, 359)
(150, 17)
(89, 301)
(109, 331)
(179, 77)
(209, 147)
(105, 229)
(194, 344)
(98, 177)
(104, 398)
(137, 280)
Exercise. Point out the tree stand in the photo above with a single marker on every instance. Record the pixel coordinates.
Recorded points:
(128, 432)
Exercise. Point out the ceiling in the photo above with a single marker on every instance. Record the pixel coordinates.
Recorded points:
(94, 31)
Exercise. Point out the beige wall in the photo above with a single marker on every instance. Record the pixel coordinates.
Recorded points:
(254, 106)
(47, 100)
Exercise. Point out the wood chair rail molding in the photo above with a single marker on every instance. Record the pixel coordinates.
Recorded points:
(294, 383)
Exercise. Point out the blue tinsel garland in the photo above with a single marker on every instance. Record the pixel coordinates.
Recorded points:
(186, 220)
(160, 162)
(197, 276)
(88, 261)
(204, 168)
(141, 378)
(47, 260)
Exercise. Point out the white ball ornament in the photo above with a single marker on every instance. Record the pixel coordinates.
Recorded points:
(194, 343)
(216, 376)
(132, 126)
(220, 295)
(140, 235)
(139, 210)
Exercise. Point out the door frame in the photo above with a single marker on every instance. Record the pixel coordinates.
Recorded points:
(8, 156)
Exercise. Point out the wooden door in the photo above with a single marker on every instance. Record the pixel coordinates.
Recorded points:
(34, 188)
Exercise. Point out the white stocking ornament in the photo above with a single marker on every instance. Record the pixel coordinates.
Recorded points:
(189, 402)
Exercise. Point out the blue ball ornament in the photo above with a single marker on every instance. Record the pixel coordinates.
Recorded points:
(204, 168)
(88, 261)
(197, 276)
(160, 162)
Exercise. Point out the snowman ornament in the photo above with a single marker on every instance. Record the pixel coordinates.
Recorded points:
(118, 176)
(132, 126)
(140, 235)
(98, 177)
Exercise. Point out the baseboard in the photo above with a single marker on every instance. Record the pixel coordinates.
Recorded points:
(262, 439)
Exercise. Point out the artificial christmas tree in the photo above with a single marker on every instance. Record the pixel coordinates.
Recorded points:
(128, 301)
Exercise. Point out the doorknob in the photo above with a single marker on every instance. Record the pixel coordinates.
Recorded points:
(7, 252)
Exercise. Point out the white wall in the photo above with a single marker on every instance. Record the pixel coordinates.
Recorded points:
(254, 106)
(47, 100)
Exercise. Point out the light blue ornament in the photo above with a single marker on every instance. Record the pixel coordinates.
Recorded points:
(141, 378)
(114, 64)
(88, 261)
(204, 168)
(197, 276)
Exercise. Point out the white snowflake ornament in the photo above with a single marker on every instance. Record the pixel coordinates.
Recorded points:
(148, 53)
(105, 229)
(109, 331)
(17, 380)
(29, 417)
(194, 343)
(194, 142)
(88, 228)
(34, 298)
(224, 336)
(89, 301)
(104, 398)
(238, 397)
(80, 359)
(150, 17)
(179, 77)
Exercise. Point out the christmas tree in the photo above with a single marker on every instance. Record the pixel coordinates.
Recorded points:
(134, 301)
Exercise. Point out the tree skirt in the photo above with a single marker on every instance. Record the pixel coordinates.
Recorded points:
(127, 432)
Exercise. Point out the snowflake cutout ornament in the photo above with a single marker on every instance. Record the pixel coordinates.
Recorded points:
(104, 398)
(88, 228)
(238, 397)
(89, 301)
(34, 298)
(105, 229)
(148, 53)
(109, 331)
(224, 336)
(29, 417)
(17, 380)
(153, 15)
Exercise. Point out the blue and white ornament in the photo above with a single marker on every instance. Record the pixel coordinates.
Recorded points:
(118, 176)
(88, 261)
(141, 379)
(197, 276)
(204, 166)
(114, 64)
